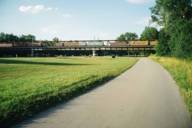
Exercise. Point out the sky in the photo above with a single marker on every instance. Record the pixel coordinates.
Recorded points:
(74, 19)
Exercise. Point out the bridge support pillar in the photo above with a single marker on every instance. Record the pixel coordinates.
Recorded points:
(32, 52)
(93, 52)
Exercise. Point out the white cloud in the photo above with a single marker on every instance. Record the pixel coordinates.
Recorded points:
(34, 9)
(138, 1)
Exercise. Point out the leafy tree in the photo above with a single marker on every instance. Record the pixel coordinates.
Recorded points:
(8, 37)
(127, 36)
(131, 36)
(56, 40)
(27, 38)
(165, 11)
(181, 39)
(12, 38)
(15, 40)
(163, 46)
(2, 37)
(149, 33)
(176, 18)
(121, 37)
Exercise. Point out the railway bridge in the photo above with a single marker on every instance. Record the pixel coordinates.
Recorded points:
(83, 48)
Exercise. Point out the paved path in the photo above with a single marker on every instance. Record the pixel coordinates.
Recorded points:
(143, 97)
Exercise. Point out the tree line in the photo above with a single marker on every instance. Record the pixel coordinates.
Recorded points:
(5, 37)
(175, 19)
(175, 36)
(149, 34)
(14, 39)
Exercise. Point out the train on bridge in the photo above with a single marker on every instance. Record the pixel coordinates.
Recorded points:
(78, 48)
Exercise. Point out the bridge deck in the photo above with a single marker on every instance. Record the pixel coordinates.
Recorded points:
(129, 47)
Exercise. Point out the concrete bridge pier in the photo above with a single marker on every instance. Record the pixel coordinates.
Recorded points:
(93, 52)
(32, 52)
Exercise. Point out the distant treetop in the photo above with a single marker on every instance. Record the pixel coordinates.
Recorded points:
(4, 37)
(128, 36)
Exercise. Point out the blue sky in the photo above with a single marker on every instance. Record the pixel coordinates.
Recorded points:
(74, 19)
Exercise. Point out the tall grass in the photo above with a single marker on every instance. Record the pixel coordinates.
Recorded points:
(181, 70)
(29, 85)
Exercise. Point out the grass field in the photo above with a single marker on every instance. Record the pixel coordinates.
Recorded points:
(181, 70)
(28, 85)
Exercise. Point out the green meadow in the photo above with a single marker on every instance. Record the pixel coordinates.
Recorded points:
(29, 85)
